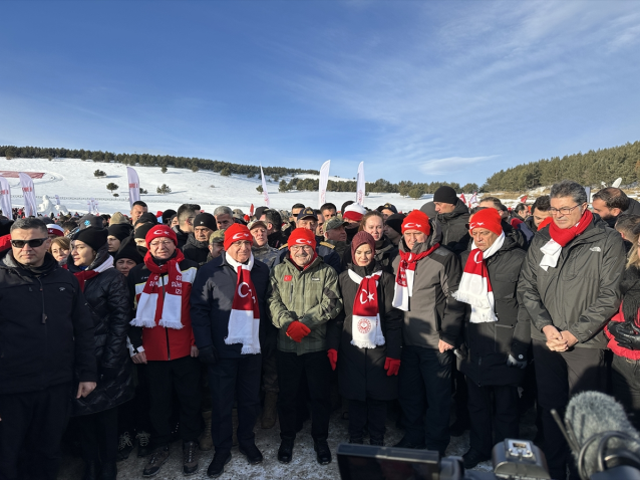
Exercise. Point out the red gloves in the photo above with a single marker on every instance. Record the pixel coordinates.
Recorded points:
(392, 366)
(333, 357)
(297, 331)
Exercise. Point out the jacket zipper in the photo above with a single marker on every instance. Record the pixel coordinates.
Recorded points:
(166, 331)
(44, 315)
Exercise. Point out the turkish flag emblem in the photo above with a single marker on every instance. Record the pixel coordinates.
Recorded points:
(288, 278)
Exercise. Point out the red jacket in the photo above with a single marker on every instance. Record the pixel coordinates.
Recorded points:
(613, 345)
(5, 242)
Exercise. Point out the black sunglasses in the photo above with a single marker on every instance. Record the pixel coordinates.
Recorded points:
(33, 243)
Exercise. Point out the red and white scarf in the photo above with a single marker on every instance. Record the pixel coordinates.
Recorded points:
(84, 275)
(404, 278)
(161, 304)
(244, 320)
(475, 287)
(559, 239)
(366, 331)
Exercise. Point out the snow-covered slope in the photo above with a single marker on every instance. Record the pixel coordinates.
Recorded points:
(74, 182)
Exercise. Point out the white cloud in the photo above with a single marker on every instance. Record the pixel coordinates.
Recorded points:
(444, 166)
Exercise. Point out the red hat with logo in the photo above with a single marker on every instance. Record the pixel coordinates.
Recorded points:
(159, 231)
(417, 220)
(236, 233)
(488, 218)
(302, 236)
(53, 229)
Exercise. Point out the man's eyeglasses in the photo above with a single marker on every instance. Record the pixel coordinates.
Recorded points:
(563, 210)
(33, 243)
(163, 243)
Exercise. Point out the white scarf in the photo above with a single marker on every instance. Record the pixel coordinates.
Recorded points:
(244, 319)
(366, 332)
(551, 251)
(106, 265)
(474, 287)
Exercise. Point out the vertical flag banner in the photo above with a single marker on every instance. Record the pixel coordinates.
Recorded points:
(360, 185)
(322, 185)
(26, 182)
(134, 186)
(5, 198)
(264, 189)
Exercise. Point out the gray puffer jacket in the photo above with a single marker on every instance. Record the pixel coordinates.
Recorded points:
(582, 292)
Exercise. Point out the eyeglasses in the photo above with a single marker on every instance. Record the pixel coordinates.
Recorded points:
(297, 248)
(563, 210)
(163, 243)
(33, 243)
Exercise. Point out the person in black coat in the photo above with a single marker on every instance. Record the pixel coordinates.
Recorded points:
(497, 334)
(221, 288)
(108, 297)
(367, 363)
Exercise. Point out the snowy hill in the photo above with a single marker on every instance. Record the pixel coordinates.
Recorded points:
(74, 182)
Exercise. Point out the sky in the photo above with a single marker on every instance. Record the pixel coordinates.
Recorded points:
(418, 90)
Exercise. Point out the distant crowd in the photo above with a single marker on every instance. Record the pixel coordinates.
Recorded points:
(146, 328)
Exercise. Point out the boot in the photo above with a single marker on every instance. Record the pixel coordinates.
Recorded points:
(205, 441)
(270, 412)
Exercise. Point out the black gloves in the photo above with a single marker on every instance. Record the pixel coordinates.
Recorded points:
(626, 334)
(208, 355)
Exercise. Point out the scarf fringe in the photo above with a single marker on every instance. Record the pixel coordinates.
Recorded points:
(482, 316)
(480, 301)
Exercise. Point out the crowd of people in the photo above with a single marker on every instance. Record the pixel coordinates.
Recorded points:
(144, 329)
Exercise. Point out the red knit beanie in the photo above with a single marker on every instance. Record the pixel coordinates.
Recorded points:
(236, 233)
(489, 218)
(417, 220)
(158, 231)
(302, 236)
(359, 239)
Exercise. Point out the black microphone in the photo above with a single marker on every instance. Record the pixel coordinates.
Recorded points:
(600, 434)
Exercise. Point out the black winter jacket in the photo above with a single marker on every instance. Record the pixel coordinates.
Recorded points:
(195, 250)
(361, 372)
(182, 237)
(487, 345)
(455, 233)
(211, 300)
(108, 298)
(46, 331)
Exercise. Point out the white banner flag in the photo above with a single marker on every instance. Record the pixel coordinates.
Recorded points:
(265, 193)
(360, 185)
(26, 182)
(134, 186)
(322, 186)
(5, 198)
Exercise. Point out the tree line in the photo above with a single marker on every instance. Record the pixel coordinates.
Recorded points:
(590, 169)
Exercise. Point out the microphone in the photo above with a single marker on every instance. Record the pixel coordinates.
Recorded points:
(599, 434)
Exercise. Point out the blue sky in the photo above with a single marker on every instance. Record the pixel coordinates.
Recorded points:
(419, 90)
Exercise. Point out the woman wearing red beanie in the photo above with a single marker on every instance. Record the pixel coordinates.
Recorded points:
(496, 340)
(366, 343)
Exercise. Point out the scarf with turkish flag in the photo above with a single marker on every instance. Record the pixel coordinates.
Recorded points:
(404, 279)
(366, 331)
(161, 304)
(560, 237)
(244, 320)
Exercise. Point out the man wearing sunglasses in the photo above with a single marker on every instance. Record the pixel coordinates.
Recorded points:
(570, 289)
(46, 352)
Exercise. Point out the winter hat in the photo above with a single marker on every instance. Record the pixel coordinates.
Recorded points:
(488, 218)
(94, 237)
(160, 231)
(119, 230)
(147, 218)
(142, 230)
(205, 220)
(90, 221)
(236, 233)
(445, 195)
(217, 236)
(430, 209)
(360, 238)
(166, 216)
(128, 250)
(53, 229)
(118, 218)
(417, 220)
(395, 221)
(354, 212)
(302, 236)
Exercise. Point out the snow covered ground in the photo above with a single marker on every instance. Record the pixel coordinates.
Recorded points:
(74, 182)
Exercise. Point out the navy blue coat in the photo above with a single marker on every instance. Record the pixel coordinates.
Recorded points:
(211, 300)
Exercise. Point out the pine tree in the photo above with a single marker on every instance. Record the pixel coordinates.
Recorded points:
(112, 186)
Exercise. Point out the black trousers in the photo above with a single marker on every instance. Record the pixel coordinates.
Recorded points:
(291, 369)
(234, 379)
(182, 377)
(99, 436)
(493, 413)
(625, 377)
(425, 396)
(373, 412)
(134, 414)
(34, 422)
(559, 376)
